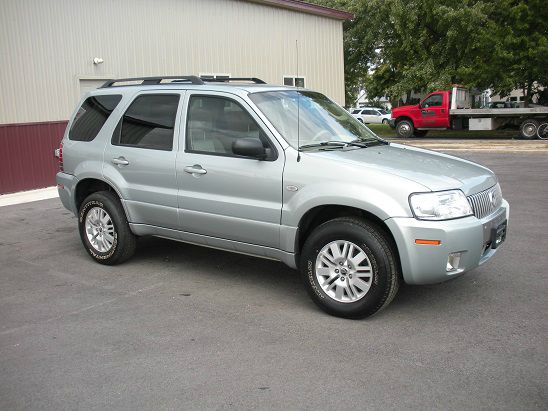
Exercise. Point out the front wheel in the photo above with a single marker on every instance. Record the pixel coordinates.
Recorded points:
(104, 229)
(405, 129)
(349, 268)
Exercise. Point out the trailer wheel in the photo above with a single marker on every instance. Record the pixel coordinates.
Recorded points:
(528, 129)
(405, 129)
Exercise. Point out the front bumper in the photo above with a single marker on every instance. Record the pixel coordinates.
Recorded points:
(469, 236)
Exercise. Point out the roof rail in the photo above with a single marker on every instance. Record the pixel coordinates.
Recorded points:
(229, 79)
(152, 80)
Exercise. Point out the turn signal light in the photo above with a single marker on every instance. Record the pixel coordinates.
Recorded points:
(427, 242)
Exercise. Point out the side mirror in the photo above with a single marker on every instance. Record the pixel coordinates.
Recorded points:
(249, 147)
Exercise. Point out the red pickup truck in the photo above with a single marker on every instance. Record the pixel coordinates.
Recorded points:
(450, 109)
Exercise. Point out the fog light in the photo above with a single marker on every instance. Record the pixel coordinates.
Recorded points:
(453, 262)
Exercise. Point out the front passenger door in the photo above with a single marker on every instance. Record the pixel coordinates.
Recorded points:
(221, 194)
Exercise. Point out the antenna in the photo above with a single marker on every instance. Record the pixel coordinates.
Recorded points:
(298, 106)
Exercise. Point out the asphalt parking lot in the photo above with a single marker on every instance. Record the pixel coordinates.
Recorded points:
(184, 327)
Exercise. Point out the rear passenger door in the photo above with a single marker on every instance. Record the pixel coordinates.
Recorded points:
(140, 158)
(221, 194)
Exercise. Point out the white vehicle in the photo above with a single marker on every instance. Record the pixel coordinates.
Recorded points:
(371, 115)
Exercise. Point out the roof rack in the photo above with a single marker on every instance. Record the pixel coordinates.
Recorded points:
(152, 81)
(229, 79)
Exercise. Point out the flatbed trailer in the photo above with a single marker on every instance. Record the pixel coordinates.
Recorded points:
(450, 110)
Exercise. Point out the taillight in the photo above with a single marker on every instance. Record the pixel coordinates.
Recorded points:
(59, 154)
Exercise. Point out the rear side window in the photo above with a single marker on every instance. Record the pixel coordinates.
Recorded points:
(92, 115)
(148, 122)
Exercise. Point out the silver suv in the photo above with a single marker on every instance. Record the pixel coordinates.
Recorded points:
(276, 172)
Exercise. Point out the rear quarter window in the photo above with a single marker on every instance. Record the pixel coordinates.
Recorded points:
(92, 115)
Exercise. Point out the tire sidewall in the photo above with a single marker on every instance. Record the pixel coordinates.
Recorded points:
(400, 123)
(380, 266)
(87, 205)
(534, 135)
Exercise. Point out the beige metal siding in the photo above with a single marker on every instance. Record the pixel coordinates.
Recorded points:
(47, 47)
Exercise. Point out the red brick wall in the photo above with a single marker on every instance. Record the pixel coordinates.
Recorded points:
(26, 155)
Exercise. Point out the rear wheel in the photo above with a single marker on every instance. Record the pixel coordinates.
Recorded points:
(104, 229)
(349, 268)
(528, 129)
(542, 131)
(385, 121)
(405, 129)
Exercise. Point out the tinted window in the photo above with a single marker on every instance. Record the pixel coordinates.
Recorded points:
(433, 101)
(299, 82)
(288, 81)
(356, 111)
(91, 117)
(215, 123)
(148, 122)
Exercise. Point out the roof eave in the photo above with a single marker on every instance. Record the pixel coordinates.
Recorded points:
(309, 8)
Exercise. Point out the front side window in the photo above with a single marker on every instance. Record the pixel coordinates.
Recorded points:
(215, 123)
(310, 117)
(92, 115)
(435, 100)
(148, 122)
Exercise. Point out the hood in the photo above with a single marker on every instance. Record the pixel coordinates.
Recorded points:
(396, 110)
(433, 170)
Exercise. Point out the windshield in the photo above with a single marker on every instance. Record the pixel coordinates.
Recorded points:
(319, 119)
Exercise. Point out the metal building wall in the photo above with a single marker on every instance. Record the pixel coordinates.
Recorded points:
(26, 155)
(46, 47)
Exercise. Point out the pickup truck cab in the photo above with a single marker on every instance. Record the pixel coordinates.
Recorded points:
(451, 109)
(280, 173)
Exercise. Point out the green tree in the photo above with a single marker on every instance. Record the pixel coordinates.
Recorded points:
(516, 44)
(393, 47)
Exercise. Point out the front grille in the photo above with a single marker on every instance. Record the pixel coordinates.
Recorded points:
(486, 202)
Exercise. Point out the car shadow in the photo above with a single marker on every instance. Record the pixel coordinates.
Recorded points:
(283, 283)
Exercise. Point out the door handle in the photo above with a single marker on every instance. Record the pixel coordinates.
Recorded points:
(195, 169)
(120, 161)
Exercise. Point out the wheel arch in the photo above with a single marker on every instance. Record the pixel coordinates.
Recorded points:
(90, 185)
(323, 213)
(401, 118)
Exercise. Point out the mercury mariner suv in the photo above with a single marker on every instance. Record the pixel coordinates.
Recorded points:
(276, 172)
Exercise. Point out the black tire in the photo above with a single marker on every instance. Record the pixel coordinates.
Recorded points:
(542, 131)
(385, 279)
(123, 245)
(385, 121)
(405, 129)
(360, 120)
(420, 133)
(528, 129)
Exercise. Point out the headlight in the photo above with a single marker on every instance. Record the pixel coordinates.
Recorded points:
(442, 205)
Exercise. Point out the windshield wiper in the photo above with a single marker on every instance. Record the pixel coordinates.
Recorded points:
(370, 143)
(336, 144)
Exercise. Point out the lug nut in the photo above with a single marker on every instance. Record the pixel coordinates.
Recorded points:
(337, 271)
(342, 278)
